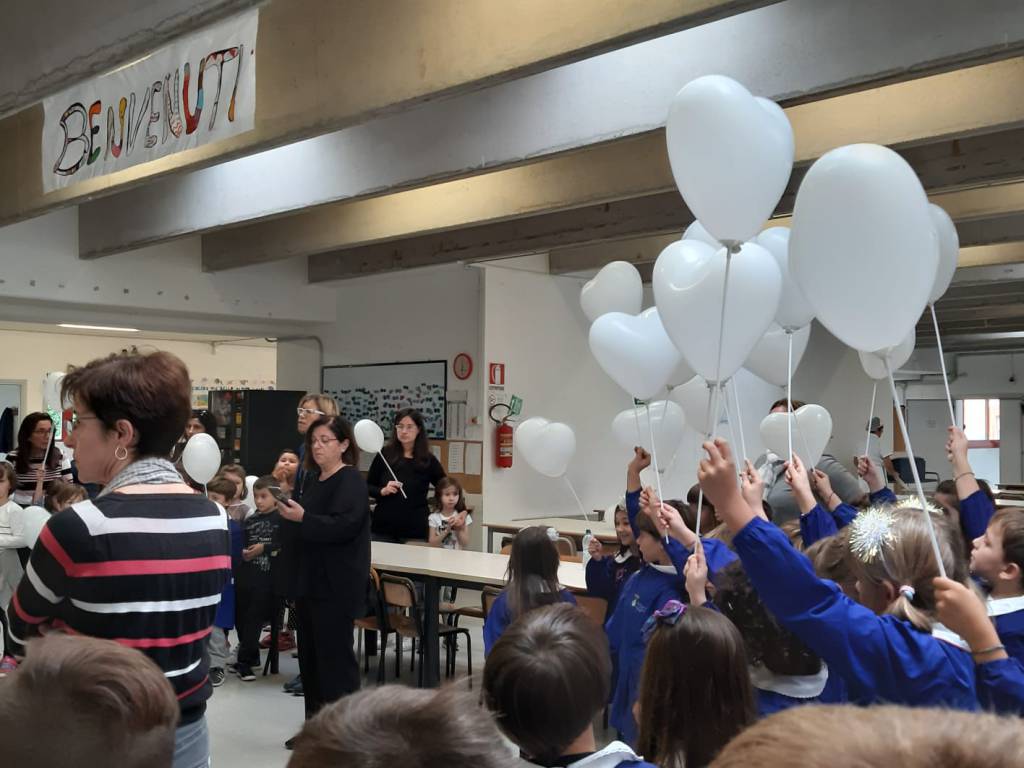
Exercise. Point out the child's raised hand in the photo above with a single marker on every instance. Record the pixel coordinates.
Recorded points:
(696, 573)
(641, 459)
(649, 501)
(752, 486)
(962, 611)
(956, 447)
(717, 473)
(822, 484)
(871, 473)
(595, 549)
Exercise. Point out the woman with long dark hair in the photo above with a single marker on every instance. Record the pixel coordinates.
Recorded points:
(402, 509)
(36, 444)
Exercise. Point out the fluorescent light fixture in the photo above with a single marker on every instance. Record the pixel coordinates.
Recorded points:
(98, 328)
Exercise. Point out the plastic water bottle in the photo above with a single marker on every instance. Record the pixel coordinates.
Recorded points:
(585, 554)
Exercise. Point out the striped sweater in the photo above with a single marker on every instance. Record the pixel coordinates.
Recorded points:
(144, 570)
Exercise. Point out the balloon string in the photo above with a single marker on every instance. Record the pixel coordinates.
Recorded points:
(393, 475)
(871, 416)
(739, 421)
(712, 423)
(654, 461)
(913, 469)
(789, 395)
(942, 361)
(575, 496)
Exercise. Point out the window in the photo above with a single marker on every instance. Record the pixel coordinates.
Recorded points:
(981, 423)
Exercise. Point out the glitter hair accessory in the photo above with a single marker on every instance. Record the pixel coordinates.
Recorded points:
(915, 504)
(669, 614)
(870, 531)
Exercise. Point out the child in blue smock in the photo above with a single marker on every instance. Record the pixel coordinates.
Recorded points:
(976, 508)
(998, 560)
(829, 516)
(607, 573)
(884, 649)
(532, 582)
(657, 582)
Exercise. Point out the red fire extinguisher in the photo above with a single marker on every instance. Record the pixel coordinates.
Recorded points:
(503, 439)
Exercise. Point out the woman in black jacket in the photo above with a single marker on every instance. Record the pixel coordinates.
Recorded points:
(332, 566)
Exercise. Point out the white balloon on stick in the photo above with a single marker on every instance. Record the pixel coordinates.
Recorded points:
(370, 438)
(875, 363)
(635, 351)
(632, 427)
(812, 422)
(768, 358)
(201, 457)
(548, 447)
(697, 232)
(794, 310)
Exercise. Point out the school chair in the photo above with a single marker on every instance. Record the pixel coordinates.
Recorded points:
(487, 598)
(400, 615)
(370, 623)
(595, 608)
(902, 467)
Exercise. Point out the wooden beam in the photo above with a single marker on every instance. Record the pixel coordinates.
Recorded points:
(930, 109)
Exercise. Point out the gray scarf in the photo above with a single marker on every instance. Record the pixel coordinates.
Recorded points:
(148, 471)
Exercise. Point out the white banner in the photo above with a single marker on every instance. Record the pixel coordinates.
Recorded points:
(198, 89)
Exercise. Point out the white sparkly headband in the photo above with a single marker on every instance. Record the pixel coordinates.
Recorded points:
(870, 531)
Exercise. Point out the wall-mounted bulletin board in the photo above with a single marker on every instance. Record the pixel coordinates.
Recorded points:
(377, 391)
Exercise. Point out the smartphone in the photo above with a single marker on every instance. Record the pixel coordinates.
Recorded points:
(277, 493)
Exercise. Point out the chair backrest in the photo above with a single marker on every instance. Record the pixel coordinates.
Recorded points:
(595, 608)
(566, 546)
(397, 592)
(487, 598)
(902, 466)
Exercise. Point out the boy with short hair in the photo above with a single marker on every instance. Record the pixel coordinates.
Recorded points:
(998, 559)
(253, 583)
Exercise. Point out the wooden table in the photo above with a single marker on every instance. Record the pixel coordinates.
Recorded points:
(435, 567)
(566, 526)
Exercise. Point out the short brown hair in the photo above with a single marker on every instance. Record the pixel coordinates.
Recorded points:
(7, 473)
(151, 391)
(877, 737)
(342, 430)
(1010, 523)
(392, 725)
(63, 494)
(113, 704)
(225, 486)
(264, 483)
(546, 678)
(784, 403)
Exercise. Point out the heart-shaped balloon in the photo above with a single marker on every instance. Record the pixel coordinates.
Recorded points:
(616, 288)
(949, 251)
(547, 446)
(812, 429)
(697, 232)
(770, 358)
(693, 398)
(635, 351)
(794, 310)
(731, 155)
(874, 362)
(688, 280)
(631, 428)
(863, 236)
(682, 374)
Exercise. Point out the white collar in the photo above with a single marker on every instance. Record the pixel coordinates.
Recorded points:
(793, 686)
(1000, 606)
(940, 632)
(621, 558)
(664, 568)
(609, 757)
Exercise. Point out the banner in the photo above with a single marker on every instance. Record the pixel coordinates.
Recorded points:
(198, 89)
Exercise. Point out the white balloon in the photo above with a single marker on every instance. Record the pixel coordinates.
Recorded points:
(874, 362)
(34, 520)
(635, 351)
(688, 279)
(369, 436)
(693, 397)
(547, 446)
(949, 251)
(631, 428)
(250, 497)
(682, 374)
(770, 358)
(616, 288)
(731, 155)
(794, 310)
(812, 429)
(201, 457)
(863, 246)
(51, 391)
(697, 232)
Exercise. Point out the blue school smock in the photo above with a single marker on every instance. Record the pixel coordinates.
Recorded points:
(1008, 613)
(881, 658)
(975, 512)
(646, 591)
(820, 524)
(500, 617)
(606, 576)
(884, 496)
(833, 691)
(1001, 686)
(225, 616)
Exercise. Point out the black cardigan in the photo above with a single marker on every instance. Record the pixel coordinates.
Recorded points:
(394, 515)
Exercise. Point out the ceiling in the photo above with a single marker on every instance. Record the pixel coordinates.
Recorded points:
(142, 335)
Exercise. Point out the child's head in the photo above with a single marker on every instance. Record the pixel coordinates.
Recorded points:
(893, 561)
(792, 530)
(237, 473)
(998, 554)
(695, 690)
(222, 489)
(8, 481)
(946, 497)
(287, 466)
(623, 530)
(649, 540)
(62, 495)
(532, 570)
(707, 510)
(830, 558)
(262, 497)
(114, 706)
(768, 644)
(448, 495)
(546, 679)
(876, 737)
(399, 726)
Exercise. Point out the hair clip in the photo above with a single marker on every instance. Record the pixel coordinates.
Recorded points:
(552, 533)
(870, 531)
(668, 614)
(912, 502)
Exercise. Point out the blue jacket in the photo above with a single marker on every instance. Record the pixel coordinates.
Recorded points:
(606, 576)
(880, 658)
(1009, 624)
(1001, 686)
(225, 616)
(500, 617)
(975, 512)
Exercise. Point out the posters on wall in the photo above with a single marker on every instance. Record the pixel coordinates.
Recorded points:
(195, 90)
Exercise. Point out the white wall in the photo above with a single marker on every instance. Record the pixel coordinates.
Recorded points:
(29, 356)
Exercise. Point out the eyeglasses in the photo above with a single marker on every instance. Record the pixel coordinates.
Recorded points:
(309, 412)
(325, 440)
(405, 427)
(75, 418)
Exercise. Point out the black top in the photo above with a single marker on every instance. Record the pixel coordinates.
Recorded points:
(332, 557)
(394, 515)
